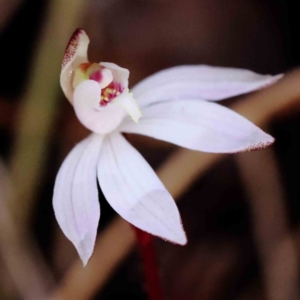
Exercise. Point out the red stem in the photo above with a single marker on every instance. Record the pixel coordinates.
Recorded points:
(147, 250)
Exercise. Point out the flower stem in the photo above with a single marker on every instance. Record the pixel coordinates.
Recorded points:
(147, 250)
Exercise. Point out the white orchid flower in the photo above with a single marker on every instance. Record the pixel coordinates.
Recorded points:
(177, 107)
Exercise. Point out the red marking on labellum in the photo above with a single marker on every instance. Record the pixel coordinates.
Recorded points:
(97, 76)
(109, 93)
(71, 47)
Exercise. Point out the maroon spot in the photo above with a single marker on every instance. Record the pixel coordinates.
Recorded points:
(96, 76)
(71, 47)
(258, 146)
(113, 86)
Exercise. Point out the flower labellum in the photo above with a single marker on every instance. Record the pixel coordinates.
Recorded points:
(98, 92)
(178, 106)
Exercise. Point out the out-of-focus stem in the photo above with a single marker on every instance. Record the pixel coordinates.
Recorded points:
(39, 104)
(275, 244)
(147, 250)
(27, 271)
(7, 10)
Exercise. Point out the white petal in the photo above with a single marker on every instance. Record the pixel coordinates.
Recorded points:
(198, 82)
(98, 119)
(120, 74)
(107, 78)
(75, 54)
(199, 125)
(134, 191)
(75, 198)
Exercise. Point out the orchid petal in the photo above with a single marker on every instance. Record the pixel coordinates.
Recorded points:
(199, 125)
(75, 198)
(134, 191)
(75, 54)
(87, 108)
(120, 75)
(199, 82)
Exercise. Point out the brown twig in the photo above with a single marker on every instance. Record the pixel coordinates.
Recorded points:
(260, 175)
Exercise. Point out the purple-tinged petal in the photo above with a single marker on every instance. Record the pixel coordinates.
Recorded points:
(75, 198)
(86, 102)
(134, 191)
(199, 82)
(199, 125)
(75, 54)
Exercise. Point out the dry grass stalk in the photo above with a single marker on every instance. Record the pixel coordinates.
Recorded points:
(39, 105)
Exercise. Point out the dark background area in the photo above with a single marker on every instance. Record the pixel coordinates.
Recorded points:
(221, 260)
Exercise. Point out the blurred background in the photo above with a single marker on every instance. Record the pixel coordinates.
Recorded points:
(241, 213)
